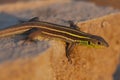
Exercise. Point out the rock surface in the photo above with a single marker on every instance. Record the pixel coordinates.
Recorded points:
(47, 60)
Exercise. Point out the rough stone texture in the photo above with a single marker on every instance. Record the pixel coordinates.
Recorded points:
(107, 58)
(46, 60)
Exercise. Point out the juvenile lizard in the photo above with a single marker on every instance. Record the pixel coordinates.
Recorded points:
(71, 35)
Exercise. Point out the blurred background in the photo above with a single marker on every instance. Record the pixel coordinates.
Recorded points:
(113, 3)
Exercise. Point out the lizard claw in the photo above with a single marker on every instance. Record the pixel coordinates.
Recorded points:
(69, 60)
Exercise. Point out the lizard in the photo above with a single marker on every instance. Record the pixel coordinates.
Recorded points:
(69, 34)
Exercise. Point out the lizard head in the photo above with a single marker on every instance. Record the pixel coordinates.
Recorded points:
(94, 41)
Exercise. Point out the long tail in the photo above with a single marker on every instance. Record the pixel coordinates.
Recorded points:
(13, 31)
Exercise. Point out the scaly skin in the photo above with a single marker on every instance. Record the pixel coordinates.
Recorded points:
(70, 35)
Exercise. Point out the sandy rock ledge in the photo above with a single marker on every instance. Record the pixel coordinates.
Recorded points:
(88, 63)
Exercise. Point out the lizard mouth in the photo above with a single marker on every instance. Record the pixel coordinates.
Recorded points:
(106, 44)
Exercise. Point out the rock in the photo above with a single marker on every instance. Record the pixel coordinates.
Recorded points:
(87, 63)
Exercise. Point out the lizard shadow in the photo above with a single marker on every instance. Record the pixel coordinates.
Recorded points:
(7, 20)
(11, 47)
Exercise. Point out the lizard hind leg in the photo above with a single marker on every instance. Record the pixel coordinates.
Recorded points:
(33, 37)
(34, 19)
(30, 20)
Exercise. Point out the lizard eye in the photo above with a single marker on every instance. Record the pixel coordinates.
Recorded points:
(88, 42)
(99, 43)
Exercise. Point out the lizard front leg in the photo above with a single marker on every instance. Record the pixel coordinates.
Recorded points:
(69, 48)
(33, 36)
(73, 25)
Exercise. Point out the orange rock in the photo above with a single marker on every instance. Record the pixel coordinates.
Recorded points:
(88, 63)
